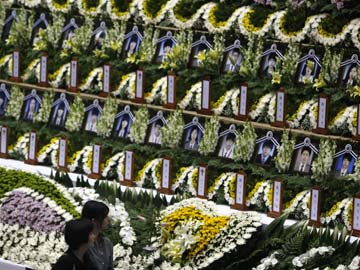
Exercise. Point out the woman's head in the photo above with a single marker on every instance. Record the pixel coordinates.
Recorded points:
(97, 212)
(79, 232)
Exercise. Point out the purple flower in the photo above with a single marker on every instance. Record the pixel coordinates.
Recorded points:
(297, 3)
(339, 3)
(263, 2)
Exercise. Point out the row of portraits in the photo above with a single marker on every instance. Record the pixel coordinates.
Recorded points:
(307, 71)
(266, 147)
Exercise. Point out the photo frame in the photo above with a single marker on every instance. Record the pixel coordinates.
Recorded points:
(265, 150)
(59, 111)
(8, 24)
(132, 42)
(98, 36)
(31, 105)
(270, 60)
(232, 58)
(16, 66)
(201, 191)
(303, 156)
(227, 140)
(350, 72)
(164, 46)
(243, 111)
(344, 161)
(240, 191)
(92, 115)
(4, 141)
(123, 121)
(4, 99)
(193, 133)
(31, 157)
(276, 205)
(62, 154)
(166, 176)
(40, 23)
(308, 68)
(355, 224)
(68, 32)
(155, 125)
(197, 47)
(315, 200)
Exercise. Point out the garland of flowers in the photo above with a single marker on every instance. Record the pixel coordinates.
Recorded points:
(355, 38)
(94, 76)
(106, 122)
(33, 70)
(158, 91)
(322, 164)
(76, 115)
(149, 18)
(86, 10)
(229, 98)
(118, 161)
(338, 210)
(21, 145)
(263, 106)
(13, 109)
(171, 134)
(245, 143)
(49, 149)
(55, 6)
(126, 88)
(183, 175)
(211, 136)
(284, 152)
(116, 14)
(306, 115)
(30, 3)
(152, 168)
(261, 194)
(139, 126)
(60, 75)
(225, 180)
(7, 60)
(204, 231)
(299, 205)
(345, 120)
(44, 112)
(193, 95)
(83, 155)
(305, 258)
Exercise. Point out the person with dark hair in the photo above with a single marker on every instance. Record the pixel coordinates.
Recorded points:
(192, 143)
(155, 133)
(303, 162)
(233, 61)
(124, 126)
(264, 158)
(79, 235)
(99, 40)
(227, 149)
(132, 45)
(352, 76)
(201, 48)
(344, 169)
(165, 50)
(100, 255)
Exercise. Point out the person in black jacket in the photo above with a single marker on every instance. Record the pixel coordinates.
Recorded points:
(79, 235)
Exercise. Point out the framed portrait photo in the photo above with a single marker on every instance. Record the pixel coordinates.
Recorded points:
(265, 150)
(308, 68)
(98, 36)
(59, 111)
(155, 125)
(123, 121)
(68, 33)
(270, 60)
(40, 23)
(344, 163)
(164, 47)
(193, 132)
(232, 58)
(350, 72)
(4, 99)
(31, 105)
(199, 46)
(92, 116)
(132, 42)
(303, 156)
(227, 140)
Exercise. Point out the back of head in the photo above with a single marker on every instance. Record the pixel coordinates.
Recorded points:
(95, 210)
(77, 232)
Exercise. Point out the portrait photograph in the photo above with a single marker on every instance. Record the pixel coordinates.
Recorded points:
(132, 42)
(155, 132)
(227, 146)
(31, 106)
(233, 60)
(351, 75)
(68, 33)
(308, 68)
(91, 120)
(344, 165)
(195, 61)
(41, 23)
(122, 127)
(165, 48)
(59, 112)
(270, 60)
(99, 40)
(192, 138)
(303, 160)
(265, 152)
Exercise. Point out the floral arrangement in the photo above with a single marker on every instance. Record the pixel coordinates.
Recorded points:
(139, 126)
(50, 149)
(305, 258)
(227, 180)
(268, 262)
(106, 121)
(345, 120)
(116, 13)
(148, 47)
(32, 71)
(264, 109)
(339, 212)
(209, 141)
(245, 143)
(289, 65)
(228, 103)
(284, 152)
(116, 161)
(60, 76)
(299, 205)
(126, 88)
(152, 171)
(171, 134)
(261, 195)
(21, 30)
(44, 112)
(90, 8)
(21, 145)
(113, 41)
(13, 109)
(83, 156)
(93, 81)
(158, 91)
(60, 6)
(190, 230)
(183, 176)
(192, 98)
(322, 164)
(7, 61)
(251, 57)
(76, 115)
(306, 115)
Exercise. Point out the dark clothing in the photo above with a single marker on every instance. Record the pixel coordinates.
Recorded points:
(69, 261)
(100, 255)
(260, 160)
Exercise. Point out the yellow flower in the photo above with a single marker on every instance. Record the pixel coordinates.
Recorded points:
(276, 78)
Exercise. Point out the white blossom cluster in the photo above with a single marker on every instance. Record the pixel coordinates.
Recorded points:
(261, 195)
(127, 85)
(223, 180)
(267, 262)
(50, 149)
(118, 161)
(62, 72)
(95, 74)
(194, 91)
(230, 96)
(344, 120)
(33, 68)
(82, 155)
(300, 203)
(150, 167)
(305, 108)
(264, 103)
(21, 145)
(354, 265)
(159, 90)
(303, 259)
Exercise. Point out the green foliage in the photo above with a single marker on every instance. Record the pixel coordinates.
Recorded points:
(321, 166)
(148, 45)
(284, 152)
(44, 113)
(76, 115)
(112, 44)
(106, 122)
(251, 57)
(245, 143)
(289, 64)
(330, 65)
(13, 109)
(139, 126)
(20, 34)
(209, 141)
(171, 134)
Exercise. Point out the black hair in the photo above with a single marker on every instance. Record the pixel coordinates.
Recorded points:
(95, 210)
(133, 38)
(305, 148)
(347, 156)
(268, 144)
(159, 122)
(77, 232)
(231, 136)
(168, 42)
